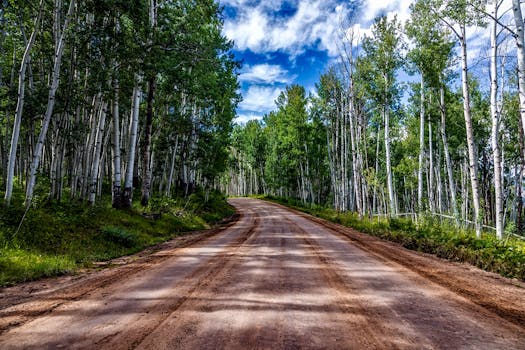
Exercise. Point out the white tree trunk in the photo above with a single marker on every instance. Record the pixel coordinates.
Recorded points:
(496, 151)
(134, 124)
(431, 192)
(50, 106)
(390, 182)
(99, 138)
(520, 44)
(421, 147)
(472, 152)
(450, 173)
(117, 176)
(19, 109)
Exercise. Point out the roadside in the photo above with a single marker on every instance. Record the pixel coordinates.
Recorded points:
(61, 238)
(505, 257)
(25, 301)
(498, 294)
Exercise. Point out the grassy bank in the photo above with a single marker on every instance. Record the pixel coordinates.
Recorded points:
(505, 257)
(58, 238)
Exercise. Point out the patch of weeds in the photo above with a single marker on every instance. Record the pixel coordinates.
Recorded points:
(18, 265)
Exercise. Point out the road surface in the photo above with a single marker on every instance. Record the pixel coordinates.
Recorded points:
(274, 279)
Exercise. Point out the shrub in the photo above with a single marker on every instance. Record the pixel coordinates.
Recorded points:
(119, 236)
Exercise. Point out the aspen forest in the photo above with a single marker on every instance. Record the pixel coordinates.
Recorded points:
(404, 123)
(262, 174)
(108, 97)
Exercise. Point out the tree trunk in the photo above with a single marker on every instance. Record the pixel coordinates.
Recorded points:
(99, 138)
(50, 106)
(146, 148)
(450, 173)
(117, 186)
(390, 182)
(421, 147)
(496, 151)
(520, 44)
(127, 195)
(19, 109)
(472, 152)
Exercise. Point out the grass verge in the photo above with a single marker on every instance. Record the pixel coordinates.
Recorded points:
(431, 236)
(59, 238)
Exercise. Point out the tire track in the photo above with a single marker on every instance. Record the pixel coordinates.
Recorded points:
(16, 309)
(349, 303)
(204, 276)
(497, 301)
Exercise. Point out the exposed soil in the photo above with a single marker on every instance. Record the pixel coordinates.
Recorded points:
(274, 279)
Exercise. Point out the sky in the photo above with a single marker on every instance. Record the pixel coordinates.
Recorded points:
(283, 42)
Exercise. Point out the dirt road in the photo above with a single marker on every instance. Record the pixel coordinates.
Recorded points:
(276, 279)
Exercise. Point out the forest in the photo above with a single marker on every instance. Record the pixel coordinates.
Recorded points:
(113, 95)
(405, 123)
(156, 196)
(109, 103)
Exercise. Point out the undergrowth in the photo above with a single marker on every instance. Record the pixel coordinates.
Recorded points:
(506, 257)
(58, 238)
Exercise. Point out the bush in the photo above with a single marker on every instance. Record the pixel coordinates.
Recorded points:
(119, 236)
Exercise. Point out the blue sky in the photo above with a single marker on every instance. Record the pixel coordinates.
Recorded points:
(282, 42)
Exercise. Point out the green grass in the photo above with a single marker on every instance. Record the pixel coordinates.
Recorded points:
(505, 257)
(58, 238)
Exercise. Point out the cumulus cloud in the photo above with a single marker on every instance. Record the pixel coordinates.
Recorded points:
(259, 99)
(265, 73)
(314, 24)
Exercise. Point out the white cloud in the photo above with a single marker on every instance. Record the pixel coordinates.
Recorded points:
(259, 99)
(265, 73)
(243, 118)
(315, 23)
(248, 31)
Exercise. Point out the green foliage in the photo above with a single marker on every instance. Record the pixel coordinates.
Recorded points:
(119, 236)
(18, 265)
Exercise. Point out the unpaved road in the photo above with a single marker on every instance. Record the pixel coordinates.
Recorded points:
(275, 279)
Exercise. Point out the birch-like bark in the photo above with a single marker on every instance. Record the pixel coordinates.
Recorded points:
(421, 146)
(495, 116)
(520, 45)
(390, 184)
(19, 109)
(127, 195)
(50, 105)
(172, 166)
(450, 173)
(117, 176)
(431, 192)
(97, 154)
(146, 154)
(472, 152)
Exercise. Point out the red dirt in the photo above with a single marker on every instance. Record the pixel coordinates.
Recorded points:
(274, 279)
